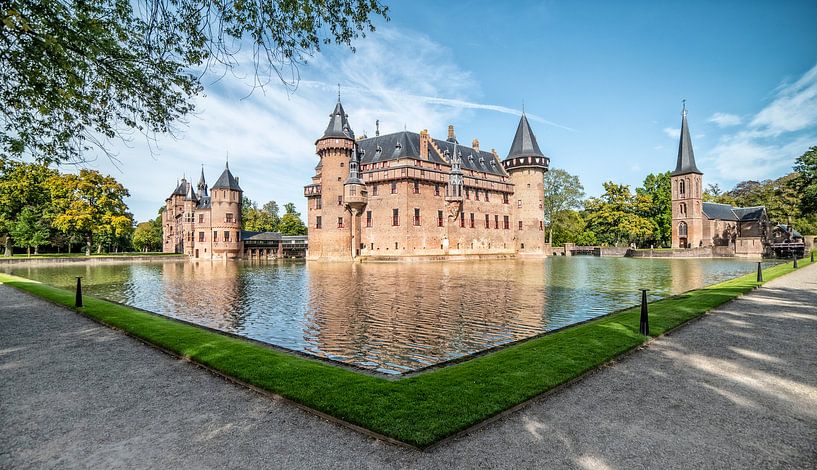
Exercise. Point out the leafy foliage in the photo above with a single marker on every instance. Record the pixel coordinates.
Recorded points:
(563, 192)
(615, 217)
(657, 200)
(148, 235)
(75, 74)
(254, 219)
(805, 180)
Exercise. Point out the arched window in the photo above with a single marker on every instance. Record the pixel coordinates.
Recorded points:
(681, 187)
(682, 229)
(683, 208)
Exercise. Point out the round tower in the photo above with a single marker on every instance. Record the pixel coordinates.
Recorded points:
(225, 216)
(526, 165)
(330, 222)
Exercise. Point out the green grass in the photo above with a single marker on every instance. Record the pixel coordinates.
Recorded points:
(83, 255)
(422, 409)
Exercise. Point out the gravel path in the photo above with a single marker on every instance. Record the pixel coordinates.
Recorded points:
(737, 389)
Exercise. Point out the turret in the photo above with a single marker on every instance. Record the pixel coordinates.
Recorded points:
(686, 181)
(225, 200)
(202, 186)
(526, 166)
(329, 209)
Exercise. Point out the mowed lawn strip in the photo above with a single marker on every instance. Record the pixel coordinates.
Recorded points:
(422, 409)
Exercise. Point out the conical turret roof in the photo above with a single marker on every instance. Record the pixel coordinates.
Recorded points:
(338, 124)
(226, 180)
(686, 157)
(524, 142)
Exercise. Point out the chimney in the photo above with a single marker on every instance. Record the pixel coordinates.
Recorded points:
(475, 144)
(451, 136)
(424, 144)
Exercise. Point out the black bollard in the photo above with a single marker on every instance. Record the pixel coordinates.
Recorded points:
(78, 301)
(812, 256)
(644, 326)
(795, 262)
(759, 273)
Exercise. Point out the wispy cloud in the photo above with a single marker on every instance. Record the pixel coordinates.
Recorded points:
(672, 132)
(725, 119)
(768, 145)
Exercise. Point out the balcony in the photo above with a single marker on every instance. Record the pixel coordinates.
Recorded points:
(312, 190)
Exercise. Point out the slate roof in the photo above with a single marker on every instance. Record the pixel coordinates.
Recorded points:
(226, 181)
(181, 189)
(686, 157)
(713, 210)
(338, 124)
(406, 144)
(204, 202)
(524, 142)
(260, 236)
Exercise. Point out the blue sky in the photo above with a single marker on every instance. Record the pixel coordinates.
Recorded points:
(601, 81)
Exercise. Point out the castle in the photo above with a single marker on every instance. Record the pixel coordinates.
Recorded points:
(746, 231)
(204, 224)
(407, 194)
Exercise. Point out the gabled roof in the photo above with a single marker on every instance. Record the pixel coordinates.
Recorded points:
(261, 236)
(338, 124)
(405, 144)
(713, 210)
(790, 230)
(524, 142)
(226, 180)
(686, 157)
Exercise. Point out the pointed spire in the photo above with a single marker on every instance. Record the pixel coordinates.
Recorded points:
(338, 124)
(686, 157)
(524, 142)
(191, 195)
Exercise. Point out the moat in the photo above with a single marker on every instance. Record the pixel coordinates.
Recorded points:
(389, 317)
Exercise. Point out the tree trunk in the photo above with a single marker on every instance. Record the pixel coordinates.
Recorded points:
(550, 234)
(36, 250)
(28, 251)
(88, 245)
(9, 247)
(69, 248)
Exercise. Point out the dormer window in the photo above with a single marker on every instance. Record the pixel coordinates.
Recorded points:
(398, 145)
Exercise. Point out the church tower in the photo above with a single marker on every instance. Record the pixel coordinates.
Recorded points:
(686, 180)
(526, 165)
(330, 222)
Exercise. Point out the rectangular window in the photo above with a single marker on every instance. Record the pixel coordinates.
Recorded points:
(541, 225)
(467, 193)
(238, 236)
(496, 221)
(340, 222)
(520, 225)
(228, 218)
(436, 189)
(439, 218)
(368, 218)
(404, 172)
(352, 190)
(504, 198)
(340, 200)
(487, 221)
(416, 216)
(472, 220)
(318, 222)
(476, 194)
(201, 218)
(416, 187)
(394, 187)
(519, 203)
(374, 190)
(487, 196)
(318, 203)
(201, 236)
(395, 217)
(226, 236)
(506, 222)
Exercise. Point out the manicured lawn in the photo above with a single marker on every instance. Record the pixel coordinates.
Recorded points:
(425, 408)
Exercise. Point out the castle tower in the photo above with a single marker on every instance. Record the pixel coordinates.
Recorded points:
(173, 219)
(189, 219)
(526, 165)
(686, 180)
(355, 198)
(330, 220)
(225, 216)
(202, 186)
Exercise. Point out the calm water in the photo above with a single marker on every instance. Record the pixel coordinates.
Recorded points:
(390, 317)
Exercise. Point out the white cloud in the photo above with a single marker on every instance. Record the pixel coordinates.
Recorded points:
(400, 78)
(776, 135)
(725, 119)
(672, 132)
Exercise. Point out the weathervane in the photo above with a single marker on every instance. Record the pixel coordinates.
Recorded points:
(338, 92)
(684, 102)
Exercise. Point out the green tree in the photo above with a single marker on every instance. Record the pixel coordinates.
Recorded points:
(22, 185)
(148, 236)
(31, 229)
(291, 223)
(563, 191)
(91, 204)
(657, 189)
(259, 220)
(805, 181)
(568, 227)
(74, 73)
(615, 217)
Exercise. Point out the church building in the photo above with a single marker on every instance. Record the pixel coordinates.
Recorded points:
(695, 223)
(408, 194)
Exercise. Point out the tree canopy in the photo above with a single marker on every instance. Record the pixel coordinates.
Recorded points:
(76, 74)
(563, 192)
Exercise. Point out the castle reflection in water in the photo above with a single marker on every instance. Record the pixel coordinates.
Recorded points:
(390, 317)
